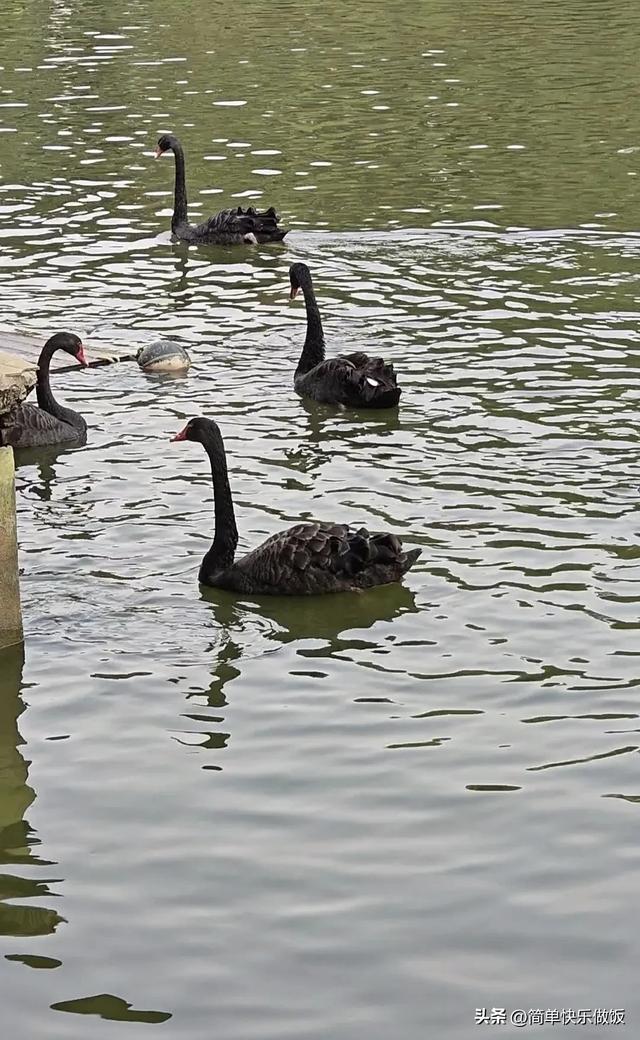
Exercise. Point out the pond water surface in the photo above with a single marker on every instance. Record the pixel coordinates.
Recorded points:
(361, 816)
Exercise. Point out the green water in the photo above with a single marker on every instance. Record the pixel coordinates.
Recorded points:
(353, 817)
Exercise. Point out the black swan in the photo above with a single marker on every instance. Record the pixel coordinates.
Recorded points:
(230, 226)
(303, 560)
(31, 427)
(352, 380)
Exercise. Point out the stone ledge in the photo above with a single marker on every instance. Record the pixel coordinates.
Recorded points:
(17, 378)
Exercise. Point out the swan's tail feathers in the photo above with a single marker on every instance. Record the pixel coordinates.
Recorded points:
(410, 558)
(262, 225)
(373, 381)
(374, 558)
(377, 385)
(387, 548)
(382, 396)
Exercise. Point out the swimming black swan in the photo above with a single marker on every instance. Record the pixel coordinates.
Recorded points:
(354, 380)
(230, 226)
(31, 427)
(303, 560)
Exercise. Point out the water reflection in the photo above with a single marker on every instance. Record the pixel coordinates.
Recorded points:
(17, 838)
(111, 1008)
(321, 423)
(261, 629)
(178, 288)
(42, 460)
(292, 618)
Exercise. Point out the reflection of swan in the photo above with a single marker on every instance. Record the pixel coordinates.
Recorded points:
(290, 619)
(43, 459)
(176, 290)
(314, 448)
(279, 621)
(16, 836)
(212, 739)
(225, 672)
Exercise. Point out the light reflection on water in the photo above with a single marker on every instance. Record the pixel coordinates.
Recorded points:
(362, 815)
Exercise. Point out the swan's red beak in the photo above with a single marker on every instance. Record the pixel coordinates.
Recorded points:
(294, 292)
(182, 436)
(158, 153)
(81, 357)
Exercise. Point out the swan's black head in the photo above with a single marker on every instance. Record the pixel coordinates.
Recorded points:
(165, 144)
(197, 430)
(68, 342)
(299, 275)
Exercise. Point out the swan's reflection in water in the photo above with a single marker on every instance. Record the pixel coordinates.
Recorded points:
(250, 629)
(292, 618)
(177, 289)
(324, 423)
(43, 459)
(18, 841)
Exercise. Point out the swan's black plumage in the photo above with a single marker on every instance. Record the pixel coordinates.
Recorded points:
(303, 560)
(353, 380)
(51, 423)
(230, 226)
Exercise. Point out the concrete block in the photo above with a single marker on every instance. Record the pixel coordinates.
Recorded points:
(10, 613)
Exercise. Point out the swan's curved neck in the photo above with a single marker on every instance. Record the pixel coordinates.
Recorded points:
(46, 400)
(180, 189)
(225, 539)
(313, 349)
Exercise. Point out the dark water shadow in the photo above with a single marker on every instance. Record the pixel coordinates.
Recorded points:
(114, 1009)
(18, 840)
(32, 961)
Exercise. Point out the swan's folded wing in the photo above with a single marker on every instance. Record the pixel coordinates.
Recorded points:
(372, 367)
(31, 427)
(317, 557)
(353, 379)
(238, 223)
(331, 377)
(358, 359)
